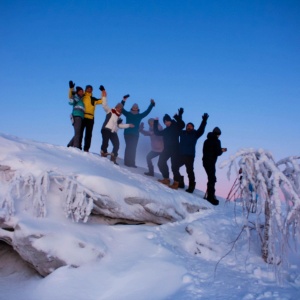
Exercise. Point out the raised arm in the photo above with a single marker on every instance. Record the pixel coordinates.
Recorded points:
(202, 126)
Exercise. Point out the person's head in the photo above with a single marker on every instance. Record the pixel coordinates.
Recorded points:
(135, 108)
(151, 122)
(217, 131)
(189, 126)
(167, 120)
(119, 108)
(89, 88)
(79, 91)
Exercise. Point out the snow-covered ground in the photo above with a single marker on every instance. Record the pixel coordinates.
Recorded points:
(197, 256)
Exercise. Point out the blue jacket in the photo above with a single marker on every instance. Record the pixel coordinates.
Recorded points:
(135, 119)
(188, 140)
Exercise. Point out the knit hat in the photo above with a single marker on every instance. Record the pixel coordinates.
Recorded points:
(217, 131)
(88, 86)
(135, 107)
(166, 118)
(78, 88)
(119, 105)
(190, 123)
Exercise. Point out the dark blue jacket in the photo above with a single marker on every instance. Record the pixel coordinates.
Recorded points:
(188, 140)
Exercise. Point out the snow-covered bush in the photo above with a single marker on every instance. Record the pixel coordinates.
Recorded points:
(269, 192)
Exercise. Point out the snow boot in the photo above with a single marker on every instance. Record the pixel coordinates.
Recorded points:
(191, 187)
(165, 181)
(181, 182)
(175, 185)
(212, 199)
(113, 158)
(104, 154)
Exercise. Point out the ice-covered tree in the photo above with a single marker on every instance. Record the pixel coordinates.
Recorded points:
(269, 193)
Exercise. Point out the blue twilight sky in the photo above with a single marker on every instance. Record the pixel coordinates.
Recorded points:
(236, 60)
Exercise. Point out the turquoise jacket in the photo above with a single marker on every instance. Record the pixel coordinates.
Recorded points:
(135, 119)
(77, 103)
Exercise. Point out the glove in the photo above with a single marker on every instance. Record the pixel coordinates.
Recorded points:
(101, 88)
(119, 121)
(205, 117)
(152, 102)
(180, 111)
(126, 96)
(71, 84)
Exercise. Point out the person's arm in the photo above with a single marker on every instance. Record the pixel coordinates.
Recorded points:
(155, 129)
(147, 112)
(121, 125)
(178, 119)
(71, 89)
(105, 105)
(202, 126)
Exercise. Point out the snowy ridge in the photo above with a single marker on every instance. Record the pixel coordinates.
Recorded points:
(59, 206)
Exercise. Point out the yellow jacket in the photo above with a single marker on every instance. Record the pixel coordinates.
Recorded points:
(89, 104)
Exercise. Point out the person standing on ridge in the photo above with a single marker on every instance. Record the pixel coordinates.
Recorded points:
(110, 127)
(211, 150)
(77, 113)
(88, 122)
(131, 135)
(171, 148)
(187, 149)
(157, 145)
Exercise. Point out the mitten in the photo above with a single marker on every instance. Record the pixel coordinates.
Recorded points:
(205, 117)
(152, 102)
(180, 111)
(71, 84)
(126, 96)
(101, 88)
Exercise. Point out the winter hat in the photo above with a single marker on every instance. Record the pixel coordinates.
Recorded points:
(135, 107)
(166, 118)
(78, 88)
(88, 86)
(217, 131)
(119, 105)
(190, 124)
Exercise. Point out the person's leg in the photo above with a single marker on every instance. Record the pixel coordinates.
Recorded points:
(88, 134)
(116, 144)
(210, 169)
(134, 143)
(149, 157)
(162, 164)
(189, 164)
(105, 139)
(127, 150)
(130, 150)
(77, 131)
(176, 162)
(83, 126)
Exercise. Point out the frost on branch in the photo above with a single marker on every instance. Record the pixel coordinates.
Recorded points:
(272, 194)
(33, 191)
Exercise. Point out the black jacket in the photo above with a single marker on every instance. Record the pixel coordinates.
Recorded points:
(170, 134)
(211, 148)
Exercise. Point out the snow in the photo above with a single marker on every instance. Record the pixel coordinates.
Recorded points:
(198, 256)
